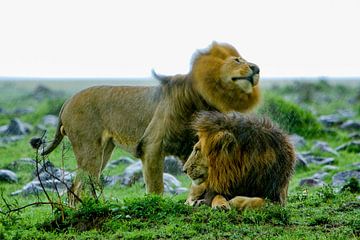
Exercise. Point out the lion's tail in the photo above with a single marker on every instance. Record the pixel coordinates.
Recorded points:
(59, 135)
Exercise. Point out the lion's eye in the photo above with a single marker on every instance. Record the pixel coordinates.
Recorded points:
(237, 60)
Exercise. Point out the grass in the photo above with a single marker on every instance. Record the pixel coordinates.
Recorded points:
(127, 212)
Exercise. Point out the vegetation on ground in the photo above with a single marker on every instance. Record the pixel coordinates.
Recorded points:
(127, 212)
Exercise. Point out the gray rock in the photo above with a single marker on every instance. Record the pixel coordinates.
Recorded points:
(10, 139)
(132, 173)
(23, 111)
(20, 163)
(331, 120)
(328, 168)
(354, 136)
(297, 141)
(320, 175)
(323, 161)
(346, 113)
(35, 187)
(7, 176)
(121, 160)
(323, 147)
(350, 125)
(341, 178)
(300, 161)
(353, 146)
(17, 127)
(180, 190)
(50, 120)
(172, 165)
(312, 182)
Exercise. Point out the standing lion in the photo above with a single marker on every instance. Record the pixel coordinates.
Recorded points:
(154, 119)
(238, 161)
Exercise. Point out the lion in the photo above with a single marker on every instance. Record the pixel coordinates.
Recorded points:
(154, 121)
(239, 161)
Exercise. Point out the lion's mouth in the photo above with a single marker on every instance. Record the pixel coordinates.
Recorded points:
(200, 179)
(250, 78)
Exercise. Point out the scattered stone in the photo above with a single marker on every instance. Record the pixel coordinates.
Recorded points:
(354, 136)
(50, 120)
(3, 129)
(323, 147)
(10, 139)
(7, 176)
(121, 160)
(297, 141)
(320, 175)
(341, 178)
(350, 125)
(48, 177)
(21, 163)
(133, 173)
(323, 161)
(312, 182)
(17, 127)
(346, 113)
(353, 146)
(173, 165)
(23, 111)
(331, 120)
(328, 168)
(35, 187)
(300, 161)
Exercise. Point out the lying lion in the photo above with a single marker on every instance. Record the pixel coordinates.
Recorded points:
(154, 119)
(238, 161)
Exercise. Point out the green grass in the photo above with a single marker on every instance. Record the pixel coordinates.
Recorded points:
(127, 212)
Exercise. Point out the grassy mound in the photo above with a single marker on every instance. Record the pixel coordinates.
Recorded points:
(290, 116)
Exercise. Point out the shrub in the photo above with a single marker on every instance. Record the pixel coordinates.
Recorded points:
(290, 116)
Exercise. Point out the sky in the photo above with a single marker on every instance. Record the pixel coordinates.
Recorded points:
(100, 39)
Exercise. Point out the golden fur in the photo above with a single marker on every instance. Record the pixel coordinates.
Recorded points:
(239, 160)
(155, 119)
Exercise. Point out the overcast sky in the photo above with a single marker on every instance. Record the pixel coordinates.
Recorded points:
(83, 38)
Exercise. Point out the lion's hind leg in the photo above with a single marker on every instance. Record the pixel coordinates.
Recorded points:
(220, 202)
(241, 202)
(91, 160)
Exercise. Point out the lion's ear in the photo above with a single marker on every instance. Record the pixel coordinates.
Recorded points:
(224, 141)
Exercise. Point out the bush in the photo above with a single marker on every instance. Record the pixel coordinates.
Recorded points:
(290, 116)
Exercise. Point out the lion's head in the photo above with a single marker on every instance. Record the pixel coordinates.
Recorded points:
(241, 155)
(224, 79)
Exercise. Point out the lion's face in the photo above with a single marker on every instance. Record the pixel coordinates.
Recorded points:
(236, 72)
(225, 79)
(196, 166)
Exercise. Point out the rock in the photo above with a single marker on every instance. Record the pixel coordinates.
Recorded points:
(320, 175)
(21, 163)
(317, 160)
(50, 120)
(9, 139)
(36, 142)
(7, 176)
(35, 187)
(297, 141)
(300, 161)
(328, 168)
(48, 177)
(312, 182)
(132, 174)
(341, 178)
(17, 127)
(350, 125)
(331, 120)
(346, 113)
(323, 147)
(353, 146)
(354, 136)
(170, 183)
(23, 111)
(3, 129)
(172, 165)
(121, 160)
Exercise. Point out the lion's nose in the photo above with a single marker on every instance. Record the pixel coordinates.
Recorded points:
(255, 69)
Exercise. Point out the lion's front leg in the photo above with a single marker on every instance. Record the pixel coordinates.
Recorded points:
(153, 167)
(195, 194)
(219, 202)
(241, 202)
